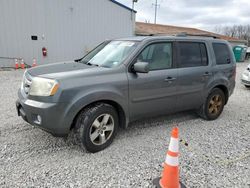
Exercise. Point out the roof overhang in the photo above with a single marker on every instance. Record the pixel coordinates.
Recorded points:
(148, 29)
(123, 6)
(239, 41)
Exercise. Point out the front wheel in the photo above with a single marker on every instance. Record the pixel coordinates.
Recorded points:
(213, 105)
(96, 127)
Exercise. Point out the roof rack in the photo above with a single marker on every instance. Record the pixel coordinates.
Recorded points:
(184, 34)
(157, 34)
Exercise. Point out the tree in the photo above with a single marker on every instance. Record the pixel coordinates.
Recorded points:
(238, 31)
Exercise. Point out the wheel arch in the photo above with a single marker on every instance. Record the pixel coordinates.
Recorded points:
(123, 120)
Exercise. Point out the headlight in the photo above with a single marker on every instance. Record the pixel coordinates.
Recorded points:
(43, 87)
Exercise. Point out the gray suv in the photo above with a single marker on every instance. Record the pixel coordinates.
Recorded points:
(125, 80)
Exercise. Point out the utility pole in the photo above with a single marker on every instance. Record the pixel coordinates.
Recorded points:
(133, 6)
(156, 5)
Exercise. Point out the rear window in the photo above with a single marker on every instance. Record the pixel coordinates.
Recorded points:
(192, 54)
(222, 54)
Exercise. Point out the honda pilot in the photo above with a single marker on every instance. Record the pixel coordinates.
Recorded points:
(124, 80)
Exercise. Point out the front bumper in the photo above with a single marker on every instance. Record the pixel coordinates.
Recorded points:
(52, 115)
(245, 78)
(245, 82)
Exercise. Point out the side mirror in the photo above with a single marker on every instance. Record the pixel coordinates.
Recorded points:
(141, 67)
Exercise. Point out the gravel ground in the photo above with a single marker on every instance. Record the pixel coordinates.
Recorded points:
(30, 157)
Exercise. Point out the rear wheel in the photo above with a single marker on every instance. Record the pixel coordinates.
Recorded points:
(213, 105)
(96, 127)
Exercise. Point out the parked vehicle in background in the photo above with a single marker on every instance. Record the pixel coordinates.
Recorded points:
(125, 80)
(248, 53)
(245, 77)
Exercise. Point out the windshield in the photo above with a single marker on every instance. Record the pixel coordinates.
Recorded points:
(109, 54)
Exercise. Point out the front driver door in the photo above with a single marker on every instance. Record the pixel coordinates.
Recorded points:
(153, 93)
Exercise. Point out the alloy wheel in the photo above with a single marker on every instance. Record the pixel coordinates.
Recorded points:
(215, 105)
(101, 129)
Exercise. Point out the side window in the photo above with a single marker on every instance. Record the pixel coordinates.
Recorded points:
(222, 54)
(158, 55)
(146, 54)
(192, 54)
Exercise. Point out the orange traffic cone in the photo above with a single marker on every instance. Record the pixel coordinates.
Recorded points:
(34, 63)
(16, 64)
(22, 64)
(170, 174)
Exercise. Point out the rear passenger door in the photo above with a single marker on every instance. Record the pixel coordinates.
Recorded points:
(194, 73)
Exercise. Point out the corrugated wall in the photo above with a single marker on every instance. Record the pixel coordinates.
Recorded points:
(67, 28)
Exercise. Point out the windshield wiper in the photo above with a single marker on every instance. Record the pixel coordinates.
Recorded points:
(91, 64)
(88, 63)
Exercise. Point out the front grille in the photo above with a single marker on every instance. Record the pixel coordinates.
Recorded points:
(27, 80)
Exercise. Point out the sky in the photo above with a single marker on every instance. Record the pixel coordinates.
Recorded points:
(202, 14)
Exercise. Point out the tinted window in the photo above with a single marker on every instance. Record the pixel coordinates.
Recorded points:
(159, 56)
(222, 53)
(192, 54)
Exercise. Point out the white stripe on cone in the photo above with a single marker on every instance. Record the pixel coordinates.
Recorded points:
(172, 161)
(174, 145)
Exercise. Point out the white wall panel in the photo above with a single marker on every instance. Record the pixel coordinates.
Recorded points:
(69, 27)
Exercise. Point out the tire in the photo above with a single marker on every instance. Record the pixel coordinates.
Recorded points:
(96, 127)
(213, 105)
(248, 87)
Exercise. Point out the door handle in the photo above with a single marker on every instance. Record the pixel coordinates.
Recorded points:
(207, 74)
(169, 79)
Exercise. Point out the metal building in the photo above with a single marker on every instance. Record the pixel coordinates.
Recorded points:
(58, 30)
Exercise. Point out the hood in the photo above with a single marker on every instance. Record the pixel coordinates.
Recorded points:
(58, 68)
(64, 70)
